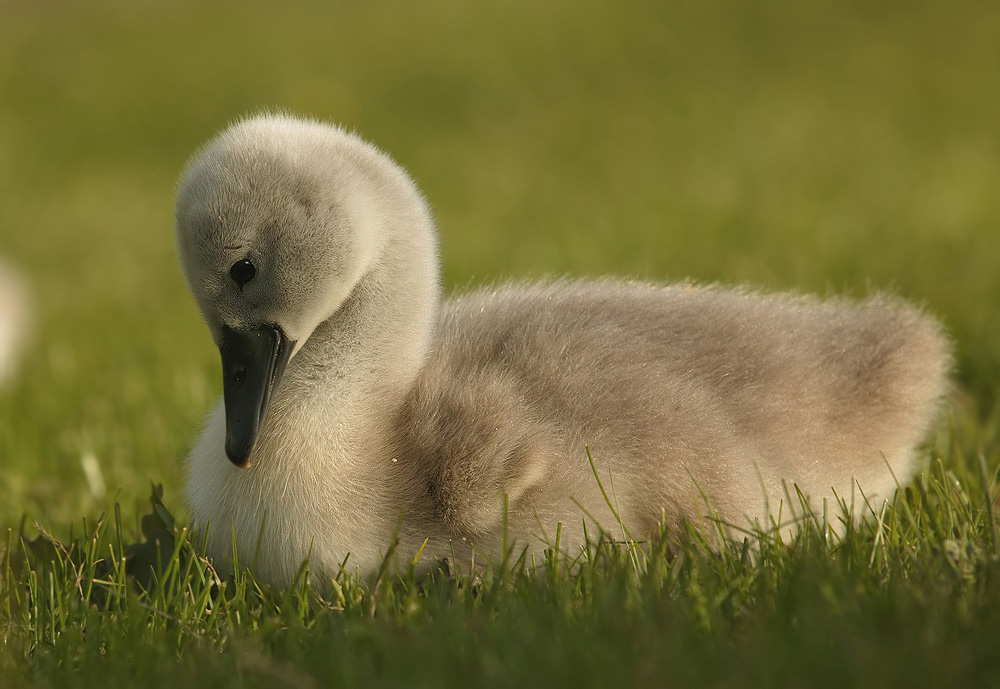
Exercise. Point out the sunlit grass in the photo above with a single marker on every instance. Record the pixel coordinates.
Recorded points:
(919, 575)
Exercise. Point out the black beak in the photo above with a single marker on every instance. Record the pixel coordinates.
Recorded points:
(252, 364)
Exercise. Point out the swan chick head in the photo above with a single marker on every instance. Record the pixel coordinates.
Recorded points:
(275, 227)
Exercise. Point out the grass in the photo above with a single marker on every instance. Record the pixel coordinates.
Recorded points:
(823, 147)
(907, 598)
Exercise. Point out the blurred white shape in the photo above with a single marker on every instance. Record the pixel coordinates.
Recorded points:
(92, 471)
(14, 320)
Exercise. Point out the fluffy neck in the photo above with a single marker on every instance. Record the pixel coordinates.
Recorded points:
(368, 353)
(377, 340)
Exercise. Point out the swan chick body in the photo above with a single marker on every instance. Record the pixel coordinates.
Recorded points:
(15, 317)
(362, 409)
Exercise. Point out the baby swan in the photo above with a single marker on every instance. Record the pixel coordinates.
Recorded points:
(358, 408)
(15, 322)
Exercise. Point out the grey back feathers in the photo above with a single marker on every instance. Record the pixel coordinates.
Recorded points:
(395, 407)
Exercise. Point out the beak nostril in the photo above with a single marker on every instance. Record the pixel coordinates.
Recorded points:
(239, 375)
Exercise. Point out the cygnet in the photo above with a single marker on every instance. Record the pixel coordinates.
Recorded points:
(360, 409)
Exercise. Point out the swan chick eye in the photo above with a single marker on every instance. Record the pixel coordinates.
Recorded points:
(242, 272)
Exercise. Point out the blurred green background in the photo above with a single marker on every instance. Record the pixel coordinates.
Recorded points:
(826, 147)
